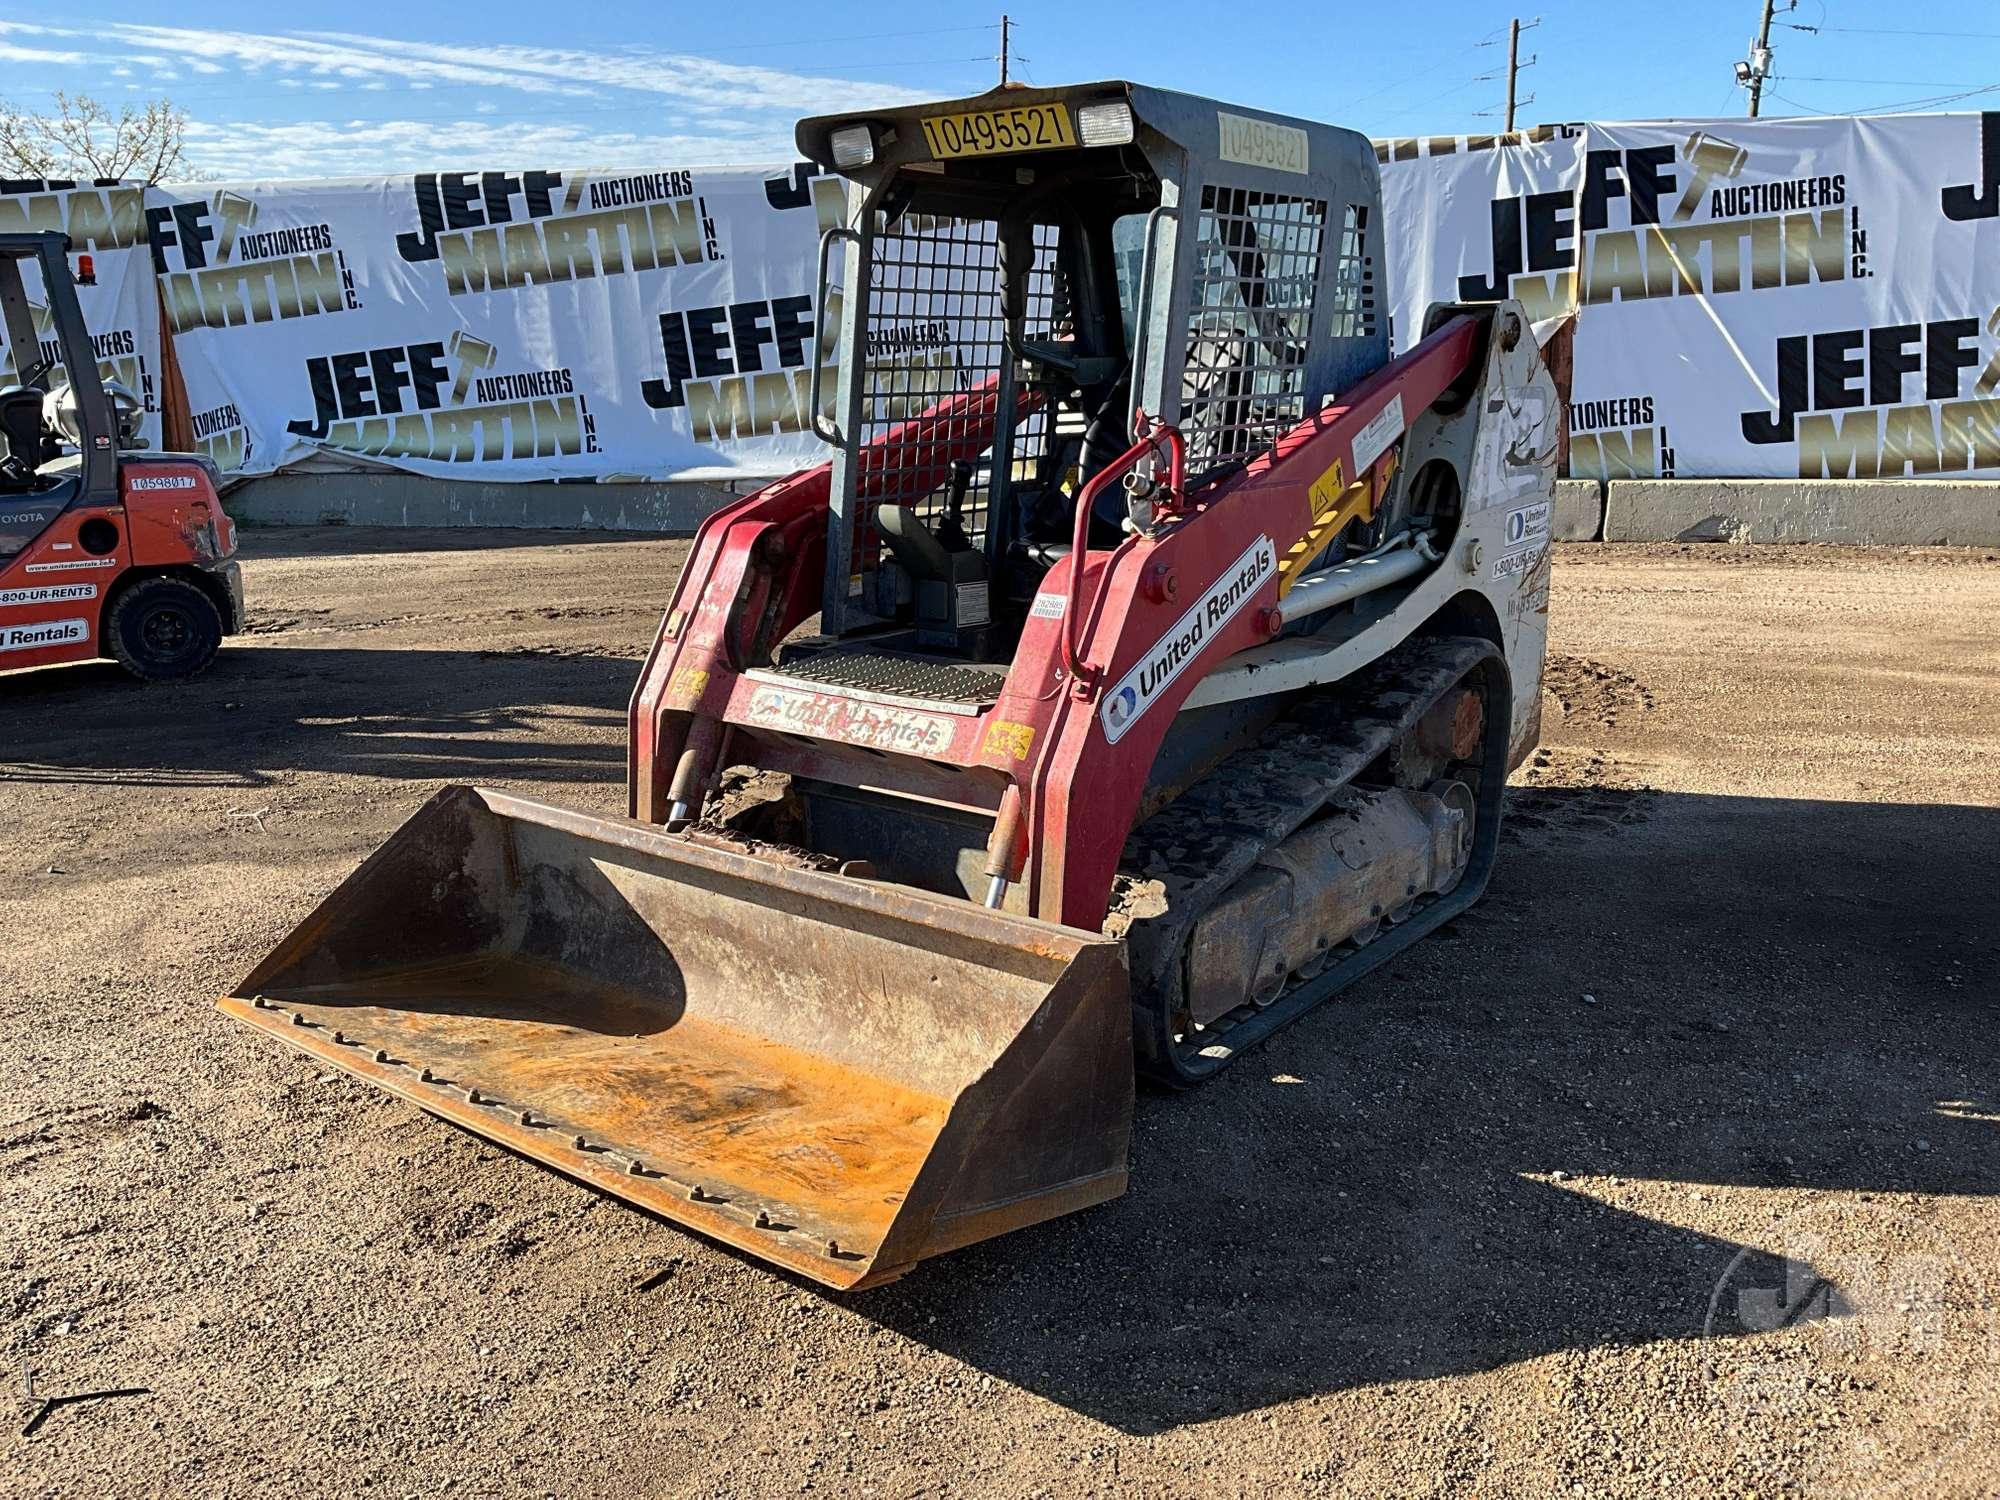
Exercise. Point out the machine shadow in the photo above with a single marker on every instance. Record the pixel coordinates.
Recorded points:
(535, 716)
(1372, 1196)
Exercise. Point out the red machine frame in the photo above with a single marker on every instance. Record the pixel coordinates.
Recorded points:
(1062, 790)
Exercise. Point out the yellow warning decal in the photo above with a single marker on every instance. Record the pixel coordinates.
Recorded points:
(1005, 737)
(1326, 490)
(1334, 504)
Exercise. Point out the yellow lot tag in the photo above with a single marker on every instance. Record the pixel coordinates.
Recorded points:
(1005, 737)
(688, 684)
(998, 132)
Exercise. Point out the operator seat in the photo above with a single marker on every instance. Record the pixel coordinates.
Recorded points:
(21, 431)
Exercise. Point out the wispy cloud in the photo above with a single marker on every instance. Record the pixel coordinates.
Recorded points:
(695, 83)
(388, 148)
(505, 104)
(11, 53)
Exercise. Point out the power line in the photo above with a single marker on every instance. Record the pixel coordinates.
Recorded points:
(1991, 36)
(1424, 72)
(1884, 109)
(1899, 82)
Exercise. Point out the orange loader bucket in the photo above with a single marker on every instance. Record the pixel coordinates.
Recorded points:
(839, 1076)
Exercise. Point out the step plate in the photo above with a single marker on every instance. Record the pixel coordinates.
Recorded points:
(890, 675)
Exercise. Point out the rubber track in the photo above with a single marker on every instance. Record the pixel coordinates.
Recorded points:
(1212, 835)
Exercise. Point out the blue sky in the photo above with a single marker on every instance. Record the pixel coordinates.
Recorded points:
(371, 87)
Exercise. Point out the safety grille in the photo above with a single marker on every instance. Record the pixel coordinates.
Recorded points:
(1256, 271)
(935, 331)
(1353, 278)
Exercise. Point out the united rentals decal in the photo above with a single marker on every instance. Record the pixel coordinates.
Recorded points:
(46, 633)
(52, 593)
(1887, 401)
(877, 726)
(435, 400)
(1665, 220)
(233, 269)
(1125, 704)
(496, 231)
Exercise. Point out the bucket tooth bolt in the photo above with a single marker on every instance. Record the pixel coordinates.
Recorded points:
(635, 1168)
(299, 1020)
(579, 1143)
(763, 1220)
(340, 1039)
(696, 1195)
(261, 1003)
(833, 1249)
(426, 1076)
(472, 1096)
(381, 1054)
(525, 1118)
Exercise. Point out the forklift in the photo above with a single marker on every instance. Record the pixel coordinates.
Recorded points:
(106, 550)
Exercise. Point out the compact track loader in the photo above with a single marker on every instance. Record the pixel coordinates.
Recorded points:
(1142, 667)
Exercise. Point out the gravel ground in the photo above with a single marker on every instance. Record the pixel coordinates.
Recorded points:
(1672, 1167)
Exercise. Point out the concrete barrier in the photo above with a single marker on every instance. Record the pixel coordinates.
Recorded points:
(674, 507)
(1911, 512)
(1579, 510)
(1864, 512)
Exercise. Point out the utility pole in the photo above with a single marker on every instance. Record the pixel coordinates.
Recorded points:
(1006, 26)
(1760, 59)
(1514, 65)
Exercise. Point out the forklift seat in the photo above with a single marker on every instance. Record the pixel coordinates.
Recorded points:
(21, 431)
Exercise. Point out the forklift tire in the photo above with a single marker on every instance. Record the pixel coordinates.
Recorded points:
(163, 629)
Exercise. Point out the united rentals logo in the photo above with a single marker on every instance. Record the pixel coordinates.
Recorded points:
(493, 231)
(44, 633)
(1842, 396)
(104, 215)
(1617, 438)
(231, 273)
(434, 401)
(1558, 250)
(1125, 704)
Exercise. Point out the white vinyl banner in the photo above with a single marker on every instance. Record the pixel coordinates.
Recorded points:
(1472, 220)
(1785, 298)
(1795, 298)
(512, 325)
(107, 222)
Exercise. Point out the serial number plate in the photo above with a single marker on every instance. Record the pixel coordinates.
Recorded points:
(995, 132)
